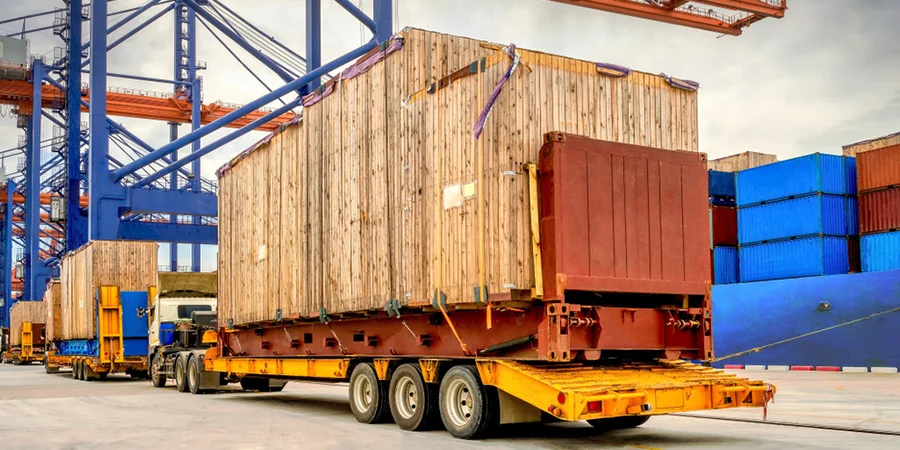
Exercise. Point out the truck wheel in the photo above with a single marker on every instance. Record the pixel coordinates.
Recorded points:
(102, 376)
(75, 370)
(414, 403)
(368, 395)
(180, 374)
(618, 423)
(469, 409)
(157, 378)
(275, 385)
(193, 376)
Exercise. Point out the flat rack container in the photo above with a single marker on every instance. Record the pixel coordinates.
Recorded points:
(879, 168)
(129, 265)
(810, 215)
(879, 211)
(725, 265)
(880, 251)
(816, 173)
(792, 258)
(382, 191)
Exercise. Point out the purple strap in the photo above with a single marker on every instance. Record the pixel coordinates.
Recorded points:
(687, 85)
(482, 118)
(613, 70)
(318, 96)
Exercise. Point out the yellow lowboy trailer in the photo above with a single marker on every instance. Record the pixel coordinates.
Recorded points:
(472, 395)
(31, 347)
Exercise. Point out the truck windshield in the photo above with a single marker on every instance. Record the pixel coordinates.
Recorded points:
(185, 311)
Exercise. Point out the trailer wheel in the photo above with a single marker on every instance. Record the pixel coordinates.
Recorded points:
(414, 403)
(618, 423)
(368, 395)
(75, 370)
(102, 376)
(157, 378)
(193, 376)
(469, 409)
(180, 374)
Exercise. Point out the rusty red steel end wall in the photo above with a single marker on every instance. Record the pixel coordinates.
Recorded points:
(723, 226)
(622, 218)
(878, 169)
(879, 210)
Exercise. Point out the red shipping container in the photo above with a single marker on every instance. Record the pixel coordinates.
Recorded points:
(878, 169)
(879, 210)
(723, 226)
(622, 218)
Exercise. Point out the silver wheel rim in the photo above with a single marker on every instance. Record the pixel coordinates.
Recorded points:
(406, 397)
(459, 402)
(362, 394)
(179, 371)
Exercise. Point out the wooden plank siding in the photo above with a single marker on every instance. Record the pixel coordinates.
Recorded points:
(382, 192)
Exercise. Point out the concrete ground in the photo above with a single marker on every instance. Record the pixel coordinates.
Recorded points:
(39, 411)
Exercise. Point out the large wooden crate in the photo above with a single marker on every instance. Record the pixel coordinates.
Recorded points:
(382, 192)
(53, 300)
(22, 311)
(872, 144)
(130, 265)
(741, 161)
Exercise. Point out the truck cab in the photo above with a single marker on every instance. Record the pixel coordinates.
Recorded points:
(181, 297)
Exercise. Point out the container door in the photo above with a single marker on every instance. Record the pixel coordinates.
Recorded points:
(134, 326)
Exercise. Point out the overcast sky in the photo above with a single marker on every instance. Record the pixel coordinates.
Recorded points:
(826, 75)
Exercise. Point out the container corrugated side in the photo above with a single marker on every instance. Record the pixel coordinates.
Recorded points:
(721, 184)
(879, 211)
(878, 169)
(804, 216)
(880, 251)
(725, 265)
(794, 258)
(723, 226)
(852, 215)
(792, 178)
(850, 175)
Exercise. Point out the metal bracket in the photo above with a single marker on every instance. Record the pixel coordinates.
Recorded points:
(481, 295)
(392, 307)
(323, 315)
(443, 300)
(278, 315)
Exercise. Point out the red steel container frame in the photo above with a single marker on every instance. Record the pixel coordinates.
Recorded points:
(878, 169)
(879, 210)
(622, 218)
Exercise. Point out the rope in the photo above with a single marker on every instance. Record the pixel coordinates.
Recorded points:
(811, 333)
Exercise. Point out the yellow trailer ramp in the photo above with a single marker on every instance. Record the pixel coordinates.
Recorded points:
(587, 392)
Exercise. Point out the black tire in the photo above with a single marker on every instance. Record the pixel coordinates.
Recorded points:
(368, 395)
(81, 371)
(157, 379)
(414, 403)
(618, 423)
(252, 384)
(102, 376)
(180, 374)
(469, 409)
(194, 376)
(75, 370)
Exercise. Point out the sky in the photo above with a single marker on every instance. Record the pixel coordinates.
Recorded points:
(826, 75)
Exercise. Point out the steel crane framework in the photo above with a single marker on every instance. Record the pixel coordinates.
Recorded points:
(147, 195)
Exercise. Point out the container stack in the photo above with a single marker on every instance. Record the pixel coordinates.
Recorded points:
(723, 227)
(797, 218)
(879, 208)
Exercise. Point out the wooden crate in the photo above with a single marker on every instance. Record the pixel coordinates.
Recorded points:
(382, 192)
(22, 311)
(53, 302)
(130, 265)
(872, 144)
(741, 161)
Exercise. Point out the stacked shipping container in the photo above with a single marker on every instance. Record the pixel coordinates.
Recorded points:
(879, 203)
(797, 218)
(723, 227)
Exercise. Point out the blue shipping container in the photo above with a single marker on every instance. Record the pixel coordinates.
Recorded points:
(852, 216)
(794, 177)
(725, 265)
(803, 216)
(721, 184)
(750, 315)
(880, 251)
(794, 258)
(850, 174)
